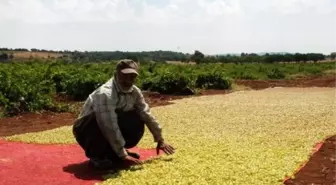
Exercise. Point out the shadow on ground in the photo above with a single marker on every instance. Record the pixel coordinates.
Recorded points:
(84, 171)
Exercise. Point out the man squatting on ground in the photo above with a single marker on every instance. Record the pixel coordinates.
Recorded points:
(113, 120)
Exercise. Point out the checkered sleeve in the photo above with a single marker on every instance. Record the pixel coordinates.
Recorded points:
(104, 107)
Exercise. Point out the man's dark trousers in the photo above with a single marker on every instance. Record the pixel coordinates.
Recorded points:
(90, 138)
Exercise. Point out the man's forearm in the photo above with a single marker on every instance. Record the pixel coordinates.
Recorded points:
(148, 118)
(151, 123)
(155, 129)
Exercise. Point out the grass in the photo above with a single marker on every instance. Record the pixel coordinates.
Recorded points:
(246, 137)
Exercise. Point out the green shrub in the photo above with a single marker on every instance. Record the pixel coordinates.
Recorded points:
(60, 79)
(79, 87)
(3, 100)
(213, 80)
(314, 71)
(245, 75)
(275, 73)
(170, 83)
(25, 88)
(20, 95)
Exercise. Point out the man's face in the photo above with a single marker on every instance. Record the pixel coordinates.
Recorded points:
(127, 80)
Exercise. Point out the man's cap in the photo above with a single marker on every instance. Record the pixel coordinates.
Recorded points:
(127, 66)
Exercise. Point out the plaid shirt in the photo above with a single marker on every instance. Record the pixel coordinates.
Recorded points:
(104, 100)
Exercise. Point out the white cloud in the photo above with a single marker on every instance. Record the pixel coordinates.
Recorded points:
(299, 6)
(54, 11)
(212, 26)
(288, 6)
(51, 11)
(220, 7)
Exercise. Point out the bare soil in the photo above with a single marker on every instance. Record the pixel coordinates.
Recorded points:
(28, 54)
(320, 169)
(314, 81)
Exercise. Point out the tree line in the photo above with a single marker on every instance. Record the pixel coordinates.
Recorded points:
(199, 57)
(163, 56)
(157, 56)
(33, 50)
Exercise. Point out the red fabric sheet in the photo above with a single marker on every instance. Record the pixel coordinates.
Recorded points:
(32, 164)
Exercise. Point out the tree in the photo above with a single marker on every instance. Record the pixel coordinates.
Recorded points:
(333, 55)
(3, 56)
(132, 57)
(197, 57)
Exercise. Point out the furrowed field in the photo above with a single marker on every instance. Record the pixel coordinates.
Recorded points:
(251, 137)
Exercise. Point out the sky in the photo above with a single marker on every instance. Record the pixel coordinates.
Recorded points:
(210, 26)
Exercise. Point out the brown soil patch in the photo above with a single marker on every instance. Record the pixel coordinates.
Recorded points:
(34, 122)
(320, 168)
(315, 81)
(28, 54)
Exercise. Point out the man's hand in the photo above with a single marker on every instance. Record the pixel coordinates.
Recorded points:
(168, 149)
(133, 160)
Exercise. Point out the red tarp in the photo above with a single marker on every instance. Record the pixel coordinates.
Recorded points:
(31, 164)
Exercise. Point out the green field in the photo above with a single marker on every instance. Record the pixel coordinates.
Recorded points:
(32, 86)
